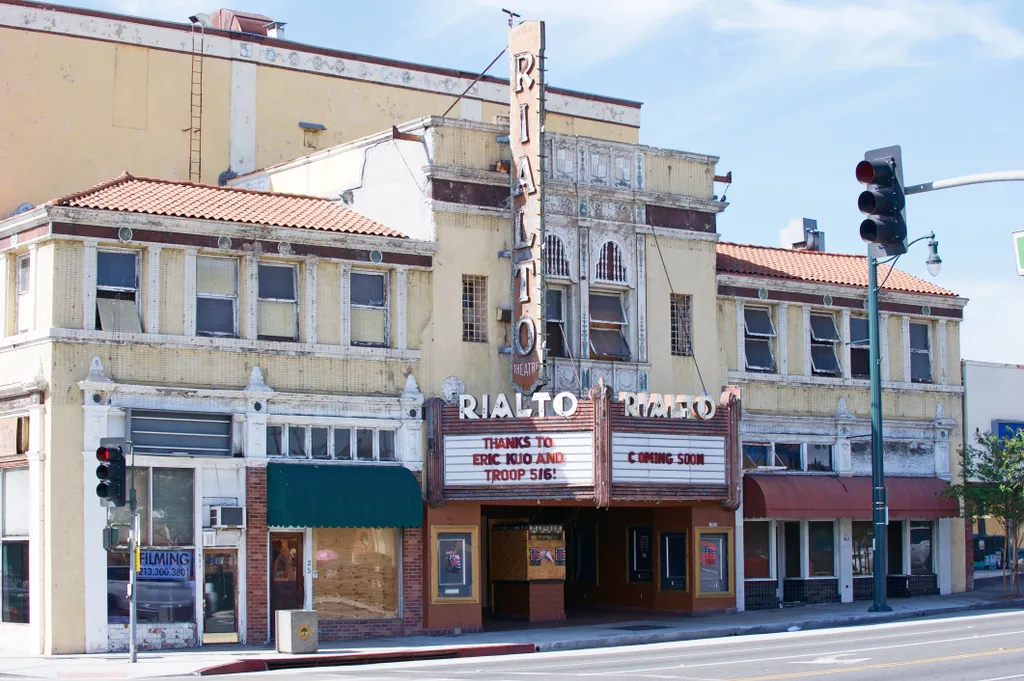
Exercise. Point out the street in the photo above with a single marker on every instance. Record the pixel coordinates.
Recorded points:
(986, 647)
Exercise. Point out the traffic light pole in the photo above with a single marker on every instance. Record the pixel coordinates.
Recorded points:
(133, 549)
(878, 494)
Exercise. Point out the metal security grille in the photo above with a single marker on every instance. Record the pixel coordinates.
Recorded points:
(682, 333)
(558, 261)
(474, 308)
(609, 263)
(175, 432)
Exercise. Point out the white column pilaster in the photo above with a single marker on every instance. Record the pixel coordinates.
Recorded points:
(346, 305)
(401, 308)
(782, 329)
(807, 339)
(190, 291)
(641, 298)
(310, 302)
(906, 348)
(943, 555)
(153, 289)
(941, 333)
(741, 595)
(5, 279)
(38, 537)
(94, 516)
(252, 292)
(89, 285)
(741, 348)
(33, 296)
(846, 560)
(844, 346)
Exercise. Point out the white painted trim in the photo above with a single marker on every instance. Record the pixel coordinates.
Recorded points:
(941, 375)
(833, 382)
(401, 308)
(206, 343)
(845, 555)
(94, 518)
(943, 555)
(309, 303)
(905, 331)
(153, 288)
(738, 569)
(641, 300)
(190, 291)
(806, 335)
(839, 290)
(844, 333)
(33, 256)
(346, 306)
(242, 120)
(883, 344)
(252, 302)
(782, 331)
(5, 280)
(741, 348)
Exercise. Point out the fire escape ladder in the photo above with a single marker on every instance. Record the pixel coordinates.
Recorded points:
(195, 129)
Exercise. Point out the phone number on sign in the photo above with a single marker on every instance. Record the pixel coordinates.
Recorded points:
(158, 571)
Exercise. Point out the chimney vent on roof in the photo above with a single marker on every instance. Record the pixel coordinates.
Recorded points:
(275, 29)
(802, 234)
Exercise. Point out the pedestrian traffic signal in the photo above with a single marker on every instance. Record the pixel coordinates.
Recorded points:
(111, 471)
(883, 202)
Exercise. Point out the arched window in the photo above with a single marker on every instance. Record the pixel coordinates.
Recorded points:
(558, 260)
(609, 263)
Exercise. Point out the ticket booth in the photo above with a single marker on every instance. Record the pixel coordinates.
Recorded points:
(527, 570)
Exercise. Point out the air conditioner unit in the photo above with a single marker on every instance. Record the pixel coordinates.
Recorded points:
(227, 516)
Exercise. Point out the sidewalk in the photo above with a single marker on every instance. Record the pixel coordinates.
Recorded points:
(622, 631)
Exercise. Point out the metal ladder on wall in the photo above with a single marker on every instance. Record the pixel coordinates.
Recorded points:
(195, 129)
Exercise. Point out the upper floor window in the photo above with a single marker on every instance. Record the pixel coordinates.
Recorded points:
(368, 293)
(117, 291)
(608, 328)
(23, 287)
(474, 308)
(791, 456)
(337, 443)
(824, 339)
(555, 322)
(860, 352)
(758, 332)
(609, 263)
(217, 297)
(557, 257)
(920, 353)
(181, 433)
(279, 303)
(681, 330)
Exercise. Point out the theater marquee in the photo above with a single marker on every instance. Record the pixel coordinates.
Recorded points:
(526, 129)
(519, 459)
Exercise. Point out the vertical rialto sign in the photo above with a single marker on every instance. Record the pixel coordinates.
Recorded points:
(526, 129)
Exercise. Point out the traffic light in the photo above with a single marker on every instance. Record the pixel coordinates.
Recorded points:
(111, 471)
(883, 202)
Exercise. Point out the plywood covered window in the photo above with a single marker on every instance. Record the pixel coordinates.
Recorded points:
(610, 266)
(368, 293)
(557, 256)
(117, 291)
(278, 302)
(356, 573)
(217, 297)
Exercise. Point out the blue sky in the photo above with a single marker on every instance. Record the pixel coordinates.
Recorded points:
(788, 93)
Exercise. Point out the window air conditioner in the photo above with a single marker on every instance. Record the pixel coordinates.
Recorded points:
(227, 516)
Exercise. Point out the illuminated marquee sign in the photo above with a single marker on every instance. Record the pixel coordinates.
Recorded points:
(668, 459)
(526, 126)
(519, 459)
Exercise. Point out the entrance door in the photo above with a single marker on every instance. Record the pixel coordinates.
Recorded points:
(788, 554)
(894, 536)
(286, 579)
(220, 616)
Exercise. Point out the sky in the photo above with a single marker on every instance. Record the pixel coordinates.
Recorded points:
(788, 93)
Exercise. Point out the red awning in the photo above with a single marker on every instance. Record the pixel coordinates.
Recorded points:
(787, 495)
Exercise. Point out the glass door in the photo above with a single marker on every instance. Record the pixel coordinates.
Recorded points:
(220, 614)
(286, 577)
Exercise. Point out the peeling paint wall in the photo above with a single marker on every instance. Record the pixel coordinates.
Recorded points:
(901, 458)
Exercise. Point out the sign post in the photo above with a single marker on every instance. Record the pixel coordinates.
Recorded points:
(526, 131)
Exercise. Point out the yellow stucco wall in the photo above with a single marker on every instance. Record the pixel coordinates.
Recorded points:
(468, 148)
(953, 375)
(727, 334)
(895, 348)
(673, 175)
(692, 264)
(795, 339)
(328, 308)
(172, 308)
(585, 127)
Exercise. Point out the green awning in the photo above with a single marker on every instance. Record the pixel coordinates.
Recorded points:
(304, 495)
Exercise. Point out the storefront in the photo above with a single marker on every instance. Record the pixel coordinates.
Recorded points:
(809, 539)
(541, 507)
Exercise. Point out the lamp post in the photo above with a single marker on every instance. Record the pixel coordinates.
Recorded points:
(879, 501)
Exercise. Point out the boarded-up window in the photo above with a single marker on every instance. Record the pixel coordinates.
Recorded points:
(356, 573)
(279, 304)
(369, 309)
(609, 263)
(173, 432)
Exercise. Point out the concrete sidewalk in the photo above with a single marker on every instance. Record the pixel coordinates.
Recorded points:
(616, 631)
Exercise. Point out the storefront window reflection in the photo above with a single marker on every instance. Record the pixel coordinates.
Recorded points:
(821, 539)
(921, 547)
(756, 550)
(356, 573)
(863, 549)
(713, 552)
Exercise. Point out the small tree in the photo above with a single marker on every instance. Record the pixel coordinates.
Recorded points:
(992, 484)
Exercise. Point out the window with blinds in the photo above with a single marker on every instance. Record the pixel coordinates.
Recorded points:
(181, 433)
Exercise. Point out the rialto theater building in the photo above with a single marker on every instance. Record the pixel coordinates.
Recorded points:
(581, 443)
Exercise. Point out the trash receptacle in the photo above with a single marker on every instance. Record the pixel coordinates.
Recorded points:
(297, 631)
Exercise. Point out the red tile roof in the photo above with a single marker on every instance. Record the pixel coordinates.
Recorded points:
(812, 266)
(207, 202)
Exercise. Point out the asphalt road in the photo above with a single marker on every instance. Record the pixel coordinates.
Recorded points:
(987, 647)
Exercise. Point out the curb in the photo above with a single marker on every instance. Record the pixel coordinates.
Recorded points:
(775, 628)
(349, 659)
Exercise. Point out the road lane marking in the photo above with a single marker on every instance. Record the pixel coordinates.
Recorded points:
(832, 659)
(1003, 678)
(882, 665)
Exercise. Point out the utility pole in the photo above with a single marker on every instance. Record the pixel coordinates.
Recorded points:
(133, 555)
